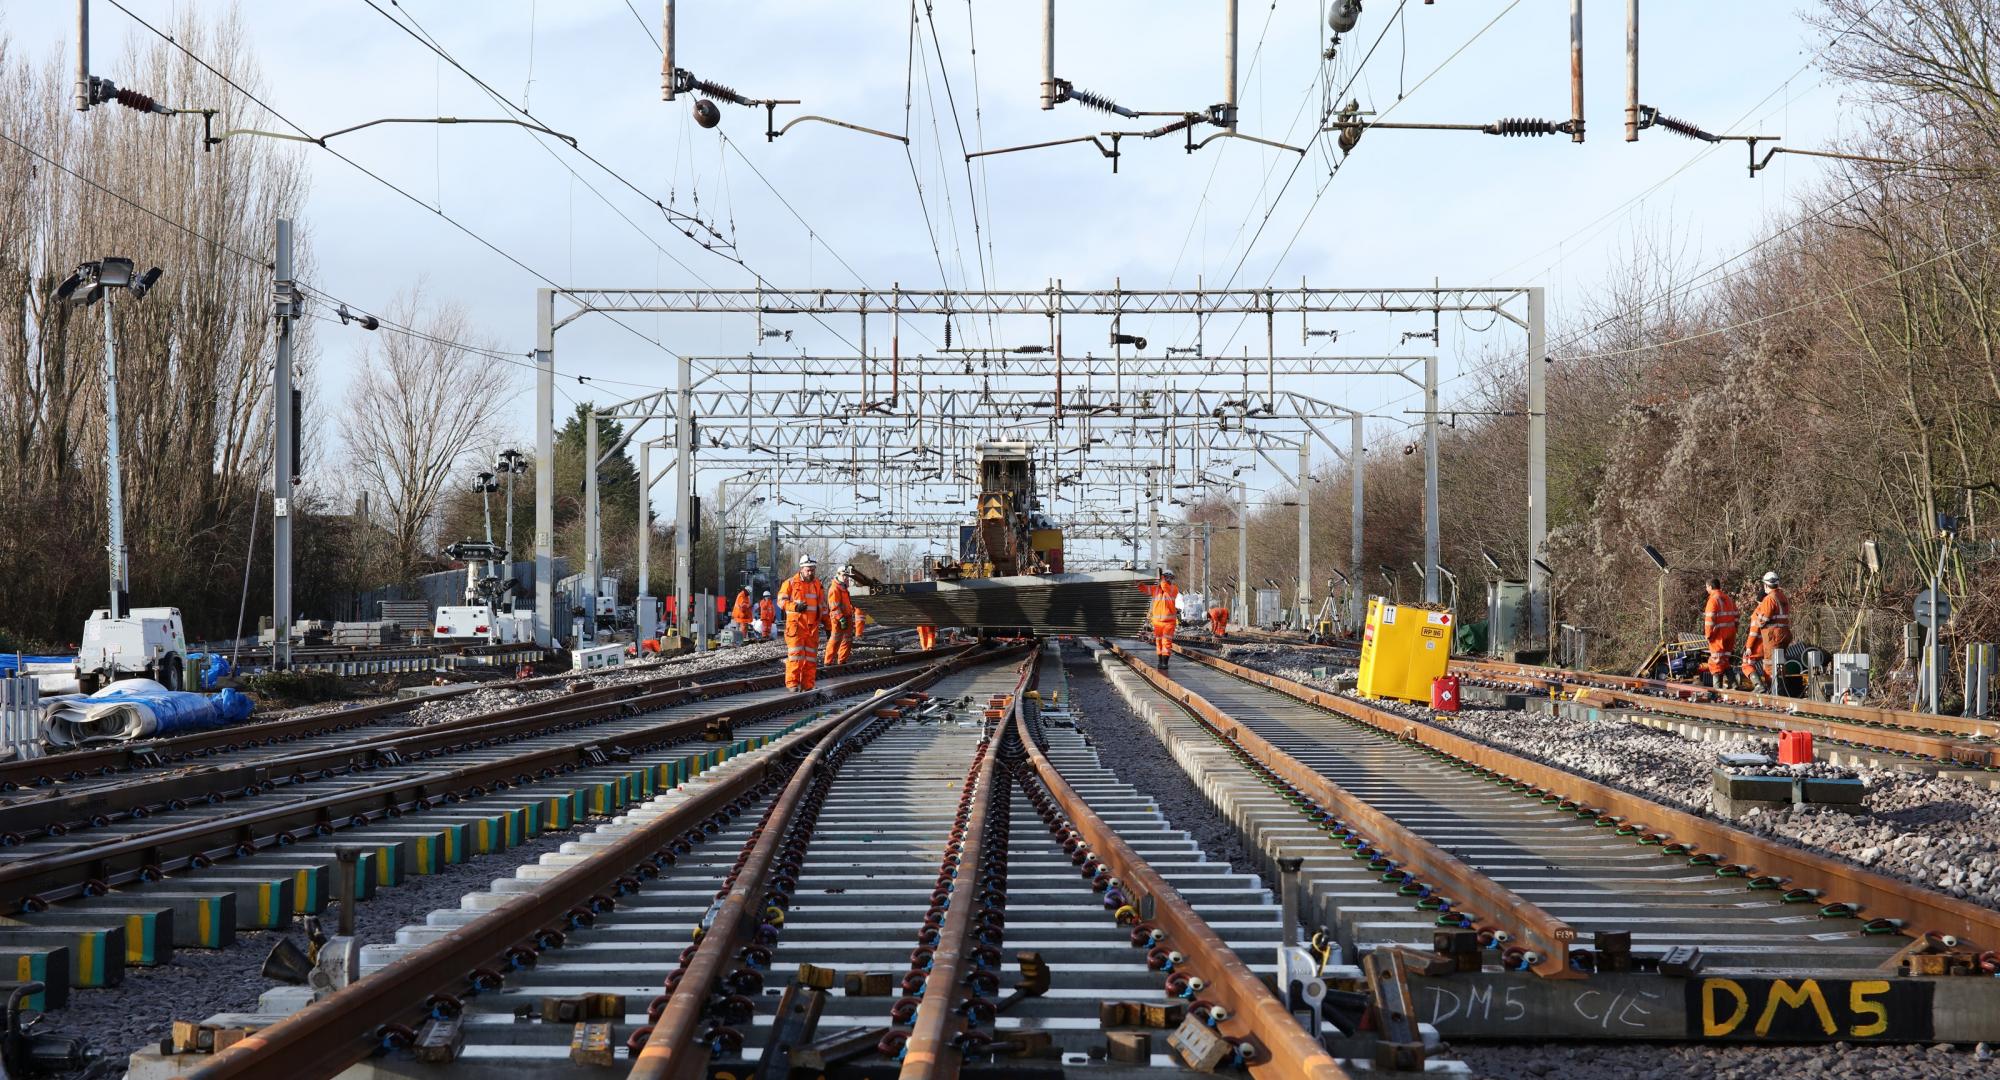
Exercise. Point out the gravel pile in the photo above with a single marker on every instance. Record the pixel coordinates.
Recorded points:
(1631, 1061)
(201, 982)
(1928, 830)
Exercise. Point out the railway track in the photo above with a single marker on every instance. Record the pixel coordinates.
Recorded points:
(1858, 734)
(1608, 915)
(940, 882)
(254, 837)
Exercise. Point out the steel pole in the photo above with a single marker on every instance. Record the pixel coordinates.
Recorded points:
(683, 497)
(1305, 533)
(592, 570)
(1538, 469)
(545, 467)
(1229, 63)
(1576, 70)
(114, 488)
(83, 70)
(1243, 591)
(721, 537)
(1431, 526)
(1357, 450)
(1048, 54)
(1631, 70)
(284, 454)
(667, 51)
(645, 518)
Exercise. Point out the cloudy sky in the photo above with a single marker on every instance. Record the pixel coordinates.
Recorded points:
(827, 207)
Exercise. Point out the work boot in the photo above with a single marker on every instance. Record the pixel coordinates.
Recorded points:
(1164, 658)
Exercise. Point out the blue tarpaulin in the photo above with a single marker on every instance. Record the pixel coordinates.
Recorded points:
(138, 709)
(13, 662)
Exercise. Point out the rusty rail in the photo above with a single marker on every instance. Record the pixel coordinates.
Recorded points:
(1935, 736)
(675, 1047)
(1920, 910)
(932, 1052)
(1537, 931)
(331, 1034)
(1256, 1018)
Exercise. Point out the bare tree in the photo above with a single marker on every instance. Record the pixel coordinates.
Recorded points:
(418, 409)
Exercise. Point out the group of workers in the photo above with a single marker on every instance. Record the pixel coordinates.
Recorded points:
(811, 608)
(1165, 616)
(1770, 630)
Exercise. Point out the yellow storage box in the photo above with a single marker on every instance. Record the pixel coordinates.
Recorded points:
(1403, 648)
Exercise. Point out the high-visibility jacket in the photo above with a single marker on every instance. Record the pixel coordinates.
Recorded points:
(804, 601)
(742, 611)
(1771, 623)
(1166, 603)
(767, 611)
(1718, 619)
(840, 614)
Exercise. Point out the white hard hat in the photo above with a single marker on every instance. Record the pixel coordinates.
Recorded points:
(1164, 572)
(807, 560)
(1770, 577)
(846, 570)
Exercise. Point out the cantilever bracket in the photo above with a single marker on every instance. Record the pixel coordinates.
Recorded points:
(772, 131)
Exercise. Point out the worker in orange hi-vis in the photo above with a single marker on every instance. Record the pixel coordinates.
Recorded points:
(841, 618)
(803, 598)
(767, 614)
(741, 616)
(1218, 619)
(1718, 625)
(1165, 615)
(1771, 629)
(926, 637)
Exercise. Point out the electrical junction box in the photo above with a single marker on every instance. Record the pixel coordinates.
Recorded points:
(1403, 648)
(1270, 608)
(1850, 676)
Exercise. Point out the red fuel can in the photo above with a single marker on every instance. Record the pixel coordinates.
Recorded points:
(1444, 693)
(1795, 747)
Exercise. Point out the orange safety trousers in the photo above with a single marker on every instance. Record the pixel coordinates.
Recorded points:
(1163, 636)
(926, 637)
(839, 641)
(801, 659)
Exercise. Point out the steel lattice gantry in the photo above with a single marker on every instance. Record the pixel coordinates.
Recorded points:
(939, 405)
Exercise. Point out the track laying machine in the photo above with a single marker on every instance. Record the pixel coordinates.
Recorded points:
(1008, 577)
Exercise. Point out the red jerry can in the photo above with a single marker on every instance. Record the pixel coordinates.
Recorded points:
(1795, 748)
(1444, 693)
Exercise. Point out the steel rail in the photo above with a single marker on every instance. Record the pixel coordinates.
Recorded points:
(672, 1049)
(335, 1032)
(122, 757)
(1547, 936)
(932, 1052)
(107, 760)
(149, 793)
(77, 871)
(1921, 733)
(1919, 910)
(1937, 736)
(1286, 1050)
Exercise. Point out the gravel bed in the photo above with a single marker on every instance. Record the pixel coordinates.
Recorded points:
(198, 983)
(1141, 761)
(1651, 1061)
(505, 696)
(1927, 830)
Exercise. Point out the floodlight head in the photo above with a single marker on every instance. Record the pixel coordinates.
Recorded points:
(1543, 567)
(114, 272)
(1653, 553)
(145, 283)
(1486, 556)
(66, 292)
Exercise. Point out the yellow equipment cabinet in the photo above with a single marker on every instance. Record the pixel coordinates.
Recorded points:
(1403, 648)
